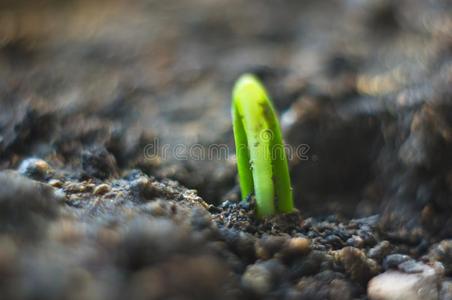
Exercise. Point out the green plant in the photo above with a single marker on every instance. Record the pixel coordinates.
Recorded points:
(261, 158)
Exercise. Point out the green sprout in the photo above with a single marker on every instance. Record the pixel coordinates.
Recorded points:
(261, 158)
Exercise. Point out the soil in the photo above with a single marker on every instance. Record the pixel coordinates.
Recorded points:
(109, 110)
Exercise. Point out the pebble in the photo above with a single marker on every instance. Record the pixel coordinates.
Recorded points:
(308, 265)
(299, 245)
(442, 252)
(35, 168)
(140, 183)
(102, 189)
(367, 236)
(395, 285)
(267, 246)
(242, 243)
(143, 187)
(355, 241)
(334, 241)
(262, 276)
(411, 266)
(381, 250)
(74, 187)
(98, 162)
(356, 264)
(324, 285)
(340, 290)
(394, 260)
(257, 278)
(311, 288)
(294, 248)
(133, 174)
(55, 183)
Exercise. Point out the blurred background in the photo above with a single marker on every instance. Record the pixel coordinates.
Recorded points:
(365, 83)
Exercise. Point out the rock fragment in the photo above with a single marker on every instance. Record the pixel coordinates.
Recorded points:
(442, 252)
(98, 162)
(356, 264)
(394, 260)
(261, 277)
(396, 285)
(35, 168)
(380, 250)
(102, 189)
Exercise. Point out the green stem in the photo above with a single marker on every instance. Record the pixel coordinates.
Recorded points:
(261, 158)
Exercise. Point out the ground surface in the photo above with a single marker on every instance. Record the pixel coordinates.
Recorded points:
(103, 194)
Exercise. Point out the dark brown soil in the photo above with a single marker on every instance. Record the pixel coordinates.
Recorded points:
(97, 201)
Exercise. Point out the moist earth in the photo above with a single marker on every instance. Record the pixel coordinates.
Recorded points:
(109, 188)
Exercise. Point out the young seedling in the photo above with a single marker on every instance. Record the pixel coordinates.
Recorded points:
(261, 158)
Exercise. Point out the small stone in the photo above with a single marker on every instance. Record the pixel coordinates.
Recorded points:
(334, 241)
(261, 277)
(356, 264)
(214, 209)
(35, 168)
(98, 162)
(157, 208)
(102, 189)
(139, 183)
(74, 187)
(311, 288)
(324, 285)
(299, 245)
(226, 204)
(296, 247)
(55, 183)
(74, 197)
(267, 246)
(355, 241)
(393, 285)
(309, 265)
(42, 165)
(411, 266)
(382, 249)
(394, 260)
(241, 243)
(367, 236)
(110, 195)
(88, 187)
(340, 290)
(143, 187)
(257, 278)
(442, 252)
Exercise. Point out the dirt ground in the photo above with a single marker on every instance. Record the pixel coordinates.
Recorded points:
(109, 110)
